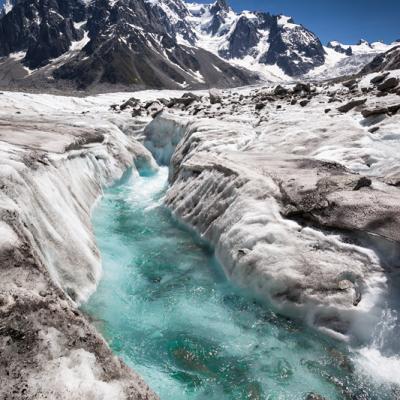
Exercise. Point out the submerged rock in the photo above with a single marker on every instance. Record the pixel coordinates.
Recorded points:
(314, 396)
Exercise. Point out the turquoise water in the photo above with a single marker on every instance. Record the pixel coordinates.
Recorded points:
(164, 306)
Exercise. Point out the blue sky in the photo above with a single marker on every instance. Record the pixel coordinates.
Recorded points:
(343, 20)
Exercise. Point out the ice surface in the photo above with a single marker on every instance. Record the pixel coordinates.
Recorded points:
(235, 176)
(57, 154)
(229, 179)
(72, 373)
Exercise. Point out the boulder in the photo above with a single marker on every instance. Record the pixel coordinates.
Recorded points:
(350, 84)
(379, 78)
(302, 87)
(280, 91)
(394, 109)
(368, 112)
(136, 111)
(363, 182)
(351, 104)
(303, 103)
(390, 110)
(215, 96)
(392, 180)
(389, 84)
(154, 108)
(132, 102)
(186, 100)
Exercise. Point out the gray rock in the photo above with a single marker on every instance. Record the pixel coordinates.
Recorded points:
(215, 96)
(389, 84)
(302, 87)
(314, 396)
(186, 100)
(368, 112)
(350, 84)
(351, 104)
(132, 102)
(393, 180)
(390, 110)
(280, 91)
(155, 108)
(379, 78)
(363, 182)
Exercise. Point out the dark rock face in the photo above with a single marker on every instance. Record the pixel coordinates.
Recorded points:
(44, 29)
(384, 62)
(244, 37)
(340, 49)
(129, 42)
(218, 11)
(292, 47)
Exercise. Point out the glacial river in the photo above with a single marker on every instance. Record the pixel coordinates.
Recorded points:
(165, 307)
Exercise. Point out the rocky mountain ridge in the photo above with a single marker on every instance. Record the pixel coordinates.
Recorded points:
(160, 44)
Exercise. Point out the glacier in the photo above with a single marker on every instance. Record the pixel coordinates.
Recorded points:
(286, 187)
(54, 166)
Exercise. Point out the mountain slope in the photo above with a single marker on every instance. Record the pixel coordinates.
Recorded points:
(126, 42)
(387, 61)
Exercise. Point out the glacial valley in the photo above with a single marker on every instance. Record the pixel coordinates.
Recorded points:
(196, 202)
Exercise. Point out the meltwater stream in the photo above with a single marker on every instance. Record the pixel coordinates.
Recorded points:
(165, 307)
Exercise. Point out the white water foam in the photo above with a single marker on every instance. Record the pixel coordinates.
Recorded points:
(377, 360)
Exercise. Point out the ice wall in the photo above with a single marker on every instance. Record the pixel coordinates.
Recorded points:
(51, 196)
(51, 174)
(228, 198)
(163, 135)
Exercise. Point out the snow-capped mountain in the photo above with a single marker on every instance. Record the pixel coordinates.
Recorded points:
(255, 39)
(161, 44)
(388, 61)
(127, 42)
(347, 59)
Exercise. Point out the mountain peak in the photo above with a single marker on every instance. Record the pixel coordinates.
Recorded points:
(363, 42)
(220, 5)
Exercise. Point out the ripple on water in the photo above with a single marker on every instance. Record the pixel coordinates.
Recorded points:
(165, 307)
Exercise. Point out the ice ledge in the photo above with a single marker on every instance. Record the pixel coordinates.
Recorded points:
(52, 171)
(240, 202)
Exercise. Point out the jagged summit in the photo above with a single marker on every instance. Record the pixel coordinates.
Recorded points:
(220, 5)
